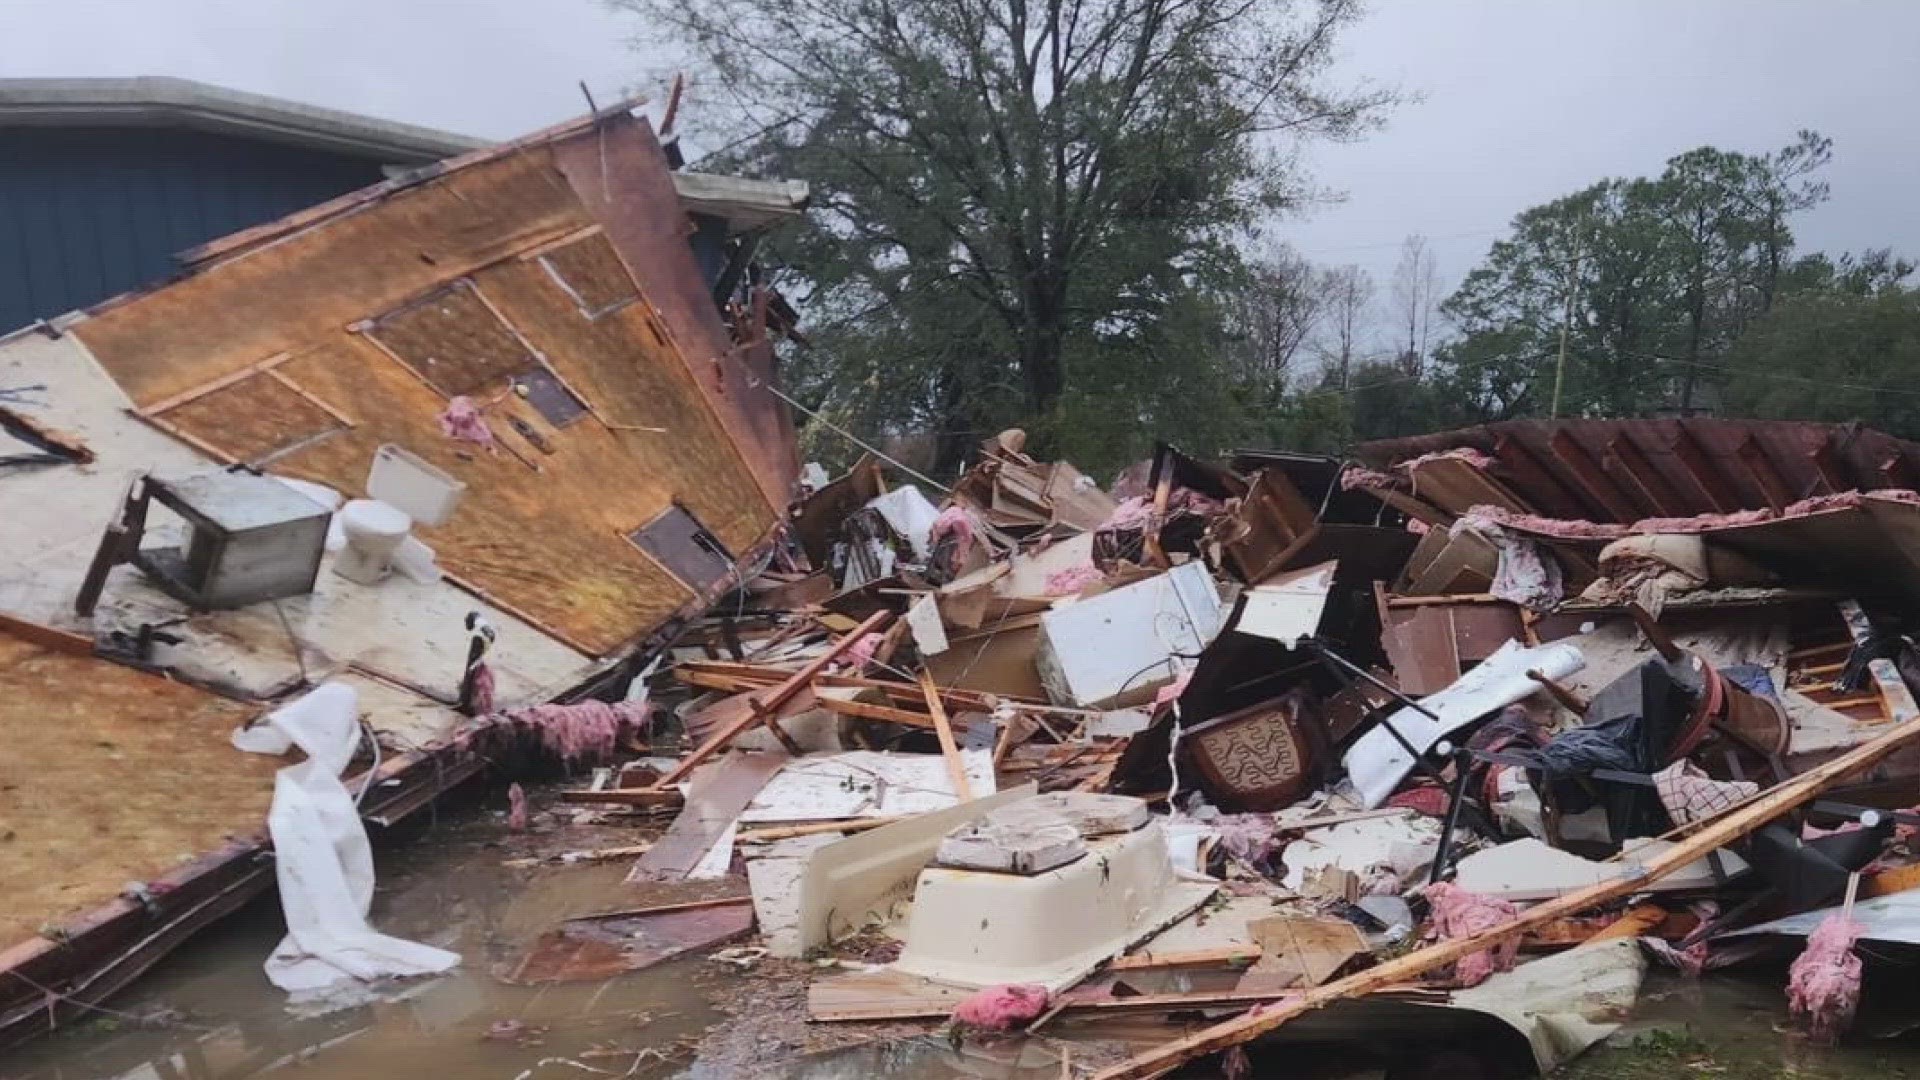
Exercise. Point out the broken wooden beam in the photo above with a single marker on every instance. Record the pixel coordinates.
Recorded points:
(956, 768)
(765, 706)
(1713, 833)
(621, 797)
(815, 828)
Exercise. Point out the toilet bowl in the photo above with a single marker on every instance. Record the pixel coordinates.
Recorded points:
(374, 531)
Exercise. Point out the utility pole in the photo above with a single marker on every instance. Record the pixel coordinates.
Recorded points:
(1566, 324)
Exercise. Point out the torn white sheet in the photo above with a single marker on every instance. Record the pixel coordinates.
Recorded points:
(866, 783)
(1377, 762)
(1894, 919)
(929, 634)
(1564, 1003)
(323, 861)
(1527, 870)
(1361, 848)
(910, 515)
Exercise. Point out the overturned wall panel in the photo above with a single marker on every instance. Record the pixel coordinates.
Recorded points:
(396, 300)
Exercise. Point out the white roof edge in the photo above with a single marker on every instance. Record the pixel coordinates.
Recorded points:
(149, 99)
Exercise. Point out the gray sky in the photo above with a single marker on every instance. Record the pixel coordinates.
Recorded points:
(1523, 100)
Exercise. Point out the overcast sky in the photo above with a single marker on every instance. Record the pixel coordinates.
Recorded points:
(1521, 100)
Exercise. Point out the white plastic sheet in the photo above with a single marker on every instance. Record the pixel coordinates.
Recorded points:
(322, 858)
(1377, 762)
(909, 514)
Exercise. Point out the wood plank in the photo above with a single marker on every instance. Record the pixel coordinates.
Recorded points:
(1149, 961)
(815, 828)
(714, 802)
(772, 701)
(620, 797)
(1710, 835)
(47, 637)
(949, 749)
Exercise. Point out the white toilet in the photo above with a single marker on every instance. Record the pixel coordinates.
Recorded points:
(404, 489)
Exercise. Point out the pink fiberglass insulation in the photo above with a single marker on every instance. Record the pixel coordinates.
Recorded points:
(1070, 581)
(1476, 458)
(583, 732)
(1253, 839)
(1591, 530)
(1359, 476)
(1823, 985)
(860, 653)
(1171, 692)
(1195, 502)
(1458, 913)
(482, 689)
(1000, 1008)
(956, 522)
(462, 420)
(1130, 515)
(517, 808)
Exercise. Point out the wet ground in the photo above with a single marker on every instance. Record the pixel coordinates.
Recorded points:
(208, 1013)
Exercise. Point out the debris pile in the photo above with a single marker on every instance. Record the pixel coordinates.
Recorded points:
(1484, 722)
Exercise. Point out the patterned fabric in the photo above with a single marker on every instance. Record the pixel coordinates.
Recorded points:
(1691, 795)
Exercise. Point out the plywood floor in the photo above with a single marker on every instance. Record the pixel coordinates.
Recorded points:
(109, 775)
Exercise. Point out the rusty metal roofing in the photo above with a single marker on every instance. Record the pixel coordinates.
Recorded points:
(1626, 470)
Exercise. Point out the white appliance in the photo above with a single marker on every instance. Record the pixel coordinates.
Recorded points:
(404, 490)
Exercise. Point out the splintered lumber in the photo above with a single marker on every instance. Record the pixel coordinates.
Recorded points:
(1714, 833)
(764, 706)
(621, 797)
(949, 749)
(714, 801)
(815, 828)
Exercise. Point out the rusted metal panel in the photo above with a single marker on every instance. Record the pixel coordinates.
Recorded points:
(621, 177)
(1622, 470)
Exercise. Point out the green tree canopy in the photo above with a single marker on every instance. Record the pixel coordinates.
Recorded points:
(1026, 211)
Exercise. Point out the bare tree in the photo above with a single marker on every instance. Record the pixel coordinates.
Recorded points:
(1349, 293)
(1283, 302)
(1416, 293)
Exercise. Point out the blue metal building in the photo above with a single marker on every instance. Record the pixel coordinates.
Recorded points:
(103, 180)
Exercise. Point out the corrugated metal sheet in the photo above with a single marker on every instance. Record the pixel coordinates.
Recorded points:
(1626, 470)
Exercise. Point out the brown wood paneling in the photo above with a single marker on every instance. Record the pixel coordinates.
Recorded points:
(78, 820)
(285, 294)
(590, 272)
(622, 178)
(549, 543)
(453, 341)
(252, 419)
(630, 375)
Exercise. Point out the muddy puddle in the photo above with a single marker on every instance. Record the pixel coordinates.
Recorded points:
(208, 1013)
